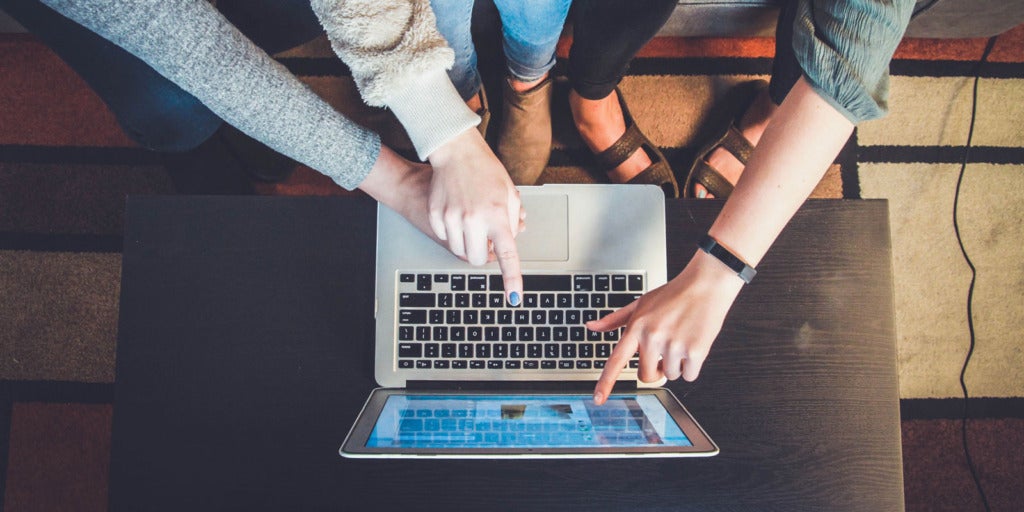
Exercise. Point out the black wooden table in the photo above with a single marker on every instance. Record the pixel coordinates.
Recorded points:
(245, 353)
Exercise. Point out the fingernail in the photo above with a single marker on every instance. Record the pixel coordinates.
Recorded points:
(701, 194)
(513, 298)
(597, 397)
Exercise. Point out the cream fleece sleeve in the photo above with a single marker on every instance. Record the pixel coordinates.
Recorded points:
(398, 60)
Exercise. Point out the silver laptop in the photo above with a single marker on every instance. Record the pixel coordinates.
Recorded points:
(446, 336)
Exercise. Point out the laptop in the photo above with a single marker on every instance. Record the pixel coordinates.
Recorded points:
(464, 374)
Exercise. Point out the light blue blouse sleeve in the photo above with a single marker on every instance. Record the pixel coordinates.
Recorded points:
(844, 48)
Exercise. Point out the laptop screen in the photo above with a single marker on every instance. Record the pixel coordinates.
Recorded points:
(524, 421)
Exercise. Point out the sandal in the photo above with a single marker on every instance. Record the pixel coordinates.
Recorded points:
(728, 137)
(658, 173)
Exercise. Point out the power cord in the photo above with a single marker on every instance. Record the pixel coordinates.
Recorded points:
(970, 290)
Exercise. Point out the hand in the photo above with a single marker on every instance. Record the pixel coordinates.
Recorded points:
(475, 207)
(673, 326)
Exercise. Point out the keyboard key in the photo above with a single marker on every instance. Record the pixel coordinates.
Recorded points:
(440, 278)
(512, 365)
(563, 300)
(444, 300)
(479, 300)
(517, 350)
(497, 283)
(465, 350)
(436, 316)
(546, 283)
(491, 334)
(410, 350)
(597, 300)
(508, 333)
(526, 334)
(548, 365)
(505, 317)
(462, 300)
(534, 350)
(577, 333)
(566, 365)
(604, 350)
(618, 283)
(483, 351)
(602, 283)
(496, 300)
(453, 317)
(457, 333)
(458, 283)
(586, 350)
(441, 364)
(636, 283)
(547, 300)
(423, 364)
(407, 278)
(477, 282)
(530, 300)
(583, 283)
(538, 317)
(405, 364)
(423, 333)
(560, 334)
(543, 334)
(448, 350)
(551, 351)
(405, 333)
(531, 365)
(412, 316)
(494, 365)
(474, 333)
(522, 317)
(431, 350)
(423, 282)
(581, 300)
(618, 300)
(440, 333)
(477, 364)
(459, 365)
(568, 351)
(583, 365)
(573, 317)
(416, 300)
(487, 317)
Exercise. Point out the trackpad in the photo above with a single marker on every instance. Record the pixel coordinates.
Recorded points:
(547, 228)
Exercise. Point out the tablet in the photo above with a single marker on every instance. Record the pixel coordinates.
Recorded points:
(463, 424)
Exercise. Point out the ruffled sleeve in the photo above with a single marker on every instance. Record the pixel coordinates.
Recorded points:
(844, 48)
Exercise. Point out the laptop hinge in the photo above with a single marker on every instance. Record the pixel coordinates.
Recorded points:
(505, 385)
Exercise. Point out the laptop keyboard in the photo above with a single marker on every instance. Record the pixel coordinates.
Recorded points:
(462, 321)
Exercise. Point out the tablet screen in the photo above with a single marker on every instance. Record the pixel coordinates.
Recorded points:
(425, 421)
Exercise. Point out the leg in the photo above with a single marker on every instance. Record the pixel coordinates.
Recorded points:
(606, 36)
(454, 19)
(154, 112)
(530, 32)
(753, 122)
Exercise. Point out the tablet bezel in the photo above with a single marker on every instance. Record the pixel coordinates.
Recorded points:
(354, 445)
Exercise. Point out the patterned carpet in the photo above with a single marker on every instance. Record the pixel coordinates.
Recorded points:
(65, 167)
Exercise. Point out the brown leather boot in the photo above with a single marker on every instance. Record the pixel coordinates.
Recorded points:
(524, 137)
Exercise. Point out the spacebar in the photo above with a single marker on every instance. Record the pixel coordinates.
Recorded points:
(547, 283)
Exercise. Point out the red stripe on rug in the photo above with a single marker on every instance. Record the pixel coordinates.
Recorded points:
(43, 102)
(59, 457)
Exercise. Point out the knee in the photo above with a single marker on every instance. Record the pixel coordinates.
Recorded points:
(168, 120)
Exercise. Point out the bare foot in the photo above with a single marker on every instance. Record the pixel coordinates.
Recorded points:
(751, 125)
(601, 123)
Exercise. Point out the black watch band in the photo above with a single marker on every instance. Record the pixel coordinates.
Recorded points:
(712, 247)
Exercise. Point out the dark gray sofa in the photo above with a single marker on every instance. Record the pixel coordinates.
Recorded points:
(932, 18)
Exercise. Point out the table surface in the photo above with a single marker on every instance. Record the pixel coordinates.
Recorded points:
(245, 354)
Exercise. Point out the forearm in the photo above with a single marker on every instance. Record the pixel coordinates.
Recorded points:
(192, 45)
(802, 140)
(398, 60)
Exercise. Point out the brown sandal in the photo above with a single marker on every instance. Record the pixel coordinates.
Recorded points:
(658, 173)
(729, 138)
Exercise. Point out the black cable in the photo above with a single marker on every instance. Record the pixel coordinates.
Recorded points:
(974, 272)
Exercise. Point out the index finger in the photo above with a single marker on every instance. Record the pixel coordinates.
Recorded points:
(616, 363)
(507, 254)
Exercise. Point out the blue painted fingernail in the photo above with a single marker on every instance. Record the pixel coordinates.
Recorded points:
(513, 298)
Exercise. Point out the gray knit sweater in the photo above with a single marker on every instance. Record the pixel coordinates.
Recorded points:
(191, 44)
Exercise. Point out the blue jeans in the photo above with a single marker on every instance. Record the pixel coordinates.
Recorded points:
(153, 111)
(530, 32)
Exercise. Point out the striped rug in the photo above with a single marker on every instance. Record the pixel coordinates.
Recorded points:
(65, 168)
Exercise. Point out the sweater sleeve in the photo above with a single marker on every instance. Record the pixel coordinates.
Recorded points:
(192, 45)
(844, 49)
(398, 60)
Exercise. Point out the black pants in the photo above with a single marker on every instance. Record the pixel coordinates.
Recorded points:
(608, 33)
